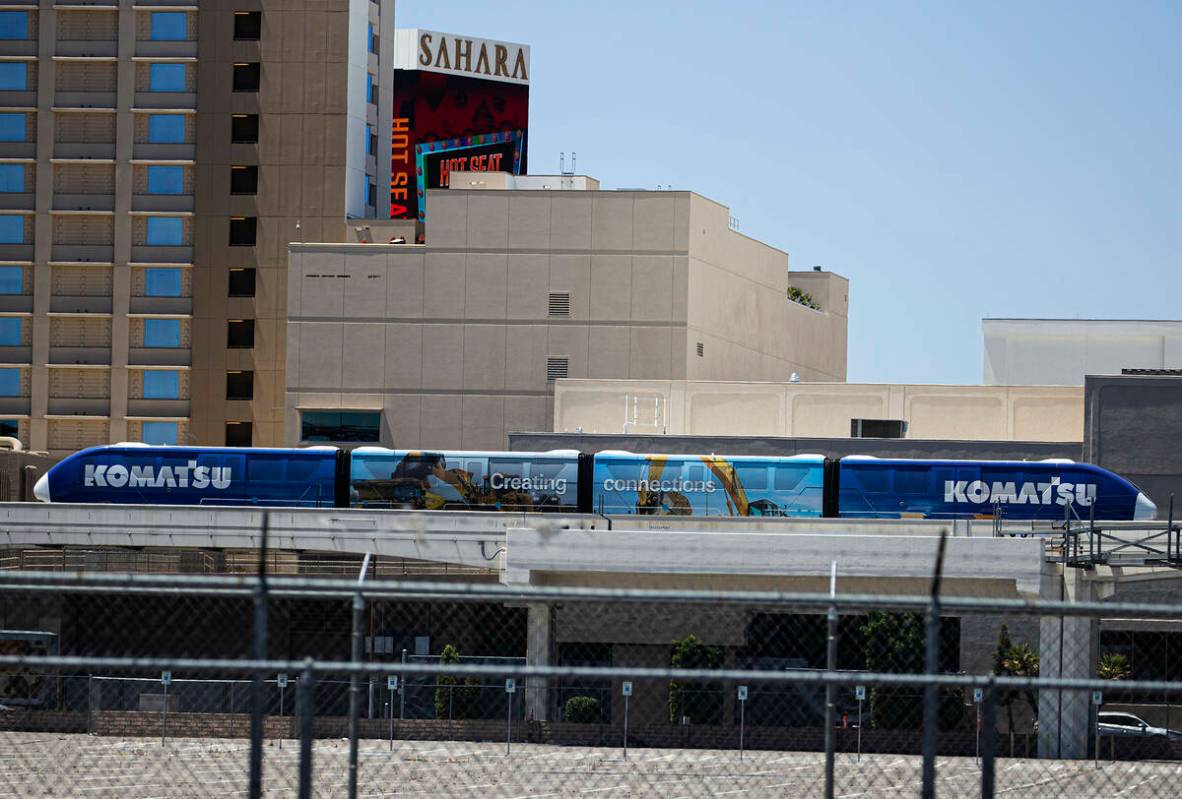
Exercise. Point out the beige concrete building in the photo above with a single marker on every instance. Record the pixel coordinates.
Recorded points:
(1023, 352)
(818, 410)
(154, 163)
(524, 282)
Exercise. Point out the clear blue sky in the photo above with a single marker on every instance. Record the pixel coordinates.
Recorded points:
(953, 160)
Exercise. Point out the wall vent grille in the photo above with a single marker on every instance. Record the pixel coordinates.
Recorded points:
(560, 303)
(701, 350)
(557, 368)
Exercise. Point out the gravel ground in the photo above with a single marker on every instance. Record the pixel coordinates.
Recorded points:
(46, 765)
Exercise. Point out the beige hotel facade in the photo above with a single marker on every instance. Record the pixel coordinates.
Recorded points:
(155, 162)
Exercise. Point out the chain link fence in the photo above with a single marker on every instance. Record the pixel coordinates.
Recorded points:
(190, 686)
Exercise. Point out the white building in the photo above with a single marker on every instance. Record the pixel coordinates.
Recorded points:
(1059, 352)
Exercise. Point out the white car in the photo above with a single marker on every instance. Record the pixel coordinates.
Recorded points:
(1128, 725)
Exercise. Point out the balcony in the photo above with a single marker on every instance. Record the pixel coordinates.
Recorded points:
(162, 202)
(84, 150)
(83, 253)
(18, 405)
(16, 354)
(148, 48)
(10, 303)
(83, 202)
(147, 254)
(143, 151)
(79, 406)
(12, 47)
(157, 356)
(158, 407)
(17, 201)
(72, 48)
(166, 100)
(161, 305)
(83, 356)
(16, 252)
(73, 304)
(84, 99)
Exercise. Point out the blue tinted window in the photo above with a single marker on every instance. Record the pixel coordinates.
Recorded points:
(162, 332)
(166, 180)
(159, 433)
(12, 127)
(10, 331)
(168, 26)
(371, 41)
(11, 280)
(12, 229)
(166, 231)
(166, 77)
(369, 139)
(166, 128)
(368, 88)
(162, 385)
(10, 428)
(14, 75)
(10, 382)
(359, 426)
(162, 282)
(12, 177)
(14, 24)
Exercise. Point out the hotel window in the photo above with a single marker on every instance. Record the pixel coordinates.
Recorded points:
(10, 428)
(10, 382)
(12, 127)
(166, 231)
(246, 77)
(161, 433)
(162, 332)
(162, 282)
(166, 77)
(244, 180)
(12, 177)
(14, 76)
(248, 26)
(166, 129)
(343, 426)
(162, 385)
(239, 333)
(12, 280)
(241, 283)
(12, 229)
(373, 40)
(169, 26)
(243, 231)
(244, 128)
(166, 180)
(239, 385)
(14, 24)
(371, 141)
(239, 434)
(10, 331)
(368, 87)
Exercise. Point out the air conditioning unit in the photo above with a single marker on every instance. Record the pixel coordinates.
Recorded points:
(878, 428)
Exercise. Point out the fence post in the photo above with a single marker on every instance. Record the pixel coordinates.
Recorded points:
(257, 686)
(989, 749)
(931, 694)
(305, 696)
(830, 688)
(355, 693)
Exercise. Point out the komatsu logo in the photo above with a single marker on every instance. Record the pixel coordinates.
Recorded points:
(1052, 492)
(189, 475)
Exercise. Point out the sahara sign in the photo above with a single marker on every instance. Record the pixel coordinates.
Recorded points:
(451, 54)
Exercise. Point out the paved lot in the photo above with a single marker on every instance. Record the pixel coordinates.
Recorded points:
(34, 765)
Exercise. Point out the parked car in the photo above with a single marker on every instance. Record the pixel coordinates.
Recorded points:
(1128, 725)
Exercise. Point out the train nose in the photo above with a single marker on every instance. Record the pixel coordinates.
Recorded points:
(41, 490)
(1145, 508)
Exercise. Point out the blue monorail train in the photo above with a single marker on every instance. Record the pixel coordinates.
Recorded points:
(615, 483)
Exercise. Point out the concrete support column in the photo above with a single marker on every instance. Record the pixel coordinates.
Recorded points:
(1068, 648)
(539, 647)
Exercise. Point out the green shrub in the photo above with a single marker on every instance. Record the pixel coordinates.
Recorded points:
(582, 710)
(702, 702)
(454, 699)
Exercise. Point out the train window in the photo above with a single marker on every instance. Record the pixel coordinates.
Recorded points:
(265, 468)
(789, 477)
(625, 469)
(545, 469)
(913, 481)
(476, 471)
(695, 472)
(513, 466)
(301, 468)
(872, 480)
(753, 477)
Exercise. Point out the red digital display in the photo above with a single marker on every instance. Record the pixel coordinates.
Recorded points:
(446, 123)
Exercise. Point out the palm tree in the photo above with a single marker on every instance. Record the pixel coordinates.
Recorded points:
(1114, 667)
(1015, 660)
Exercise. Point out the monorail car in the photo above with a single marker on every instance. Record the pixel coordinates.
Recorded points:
(613, 483)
